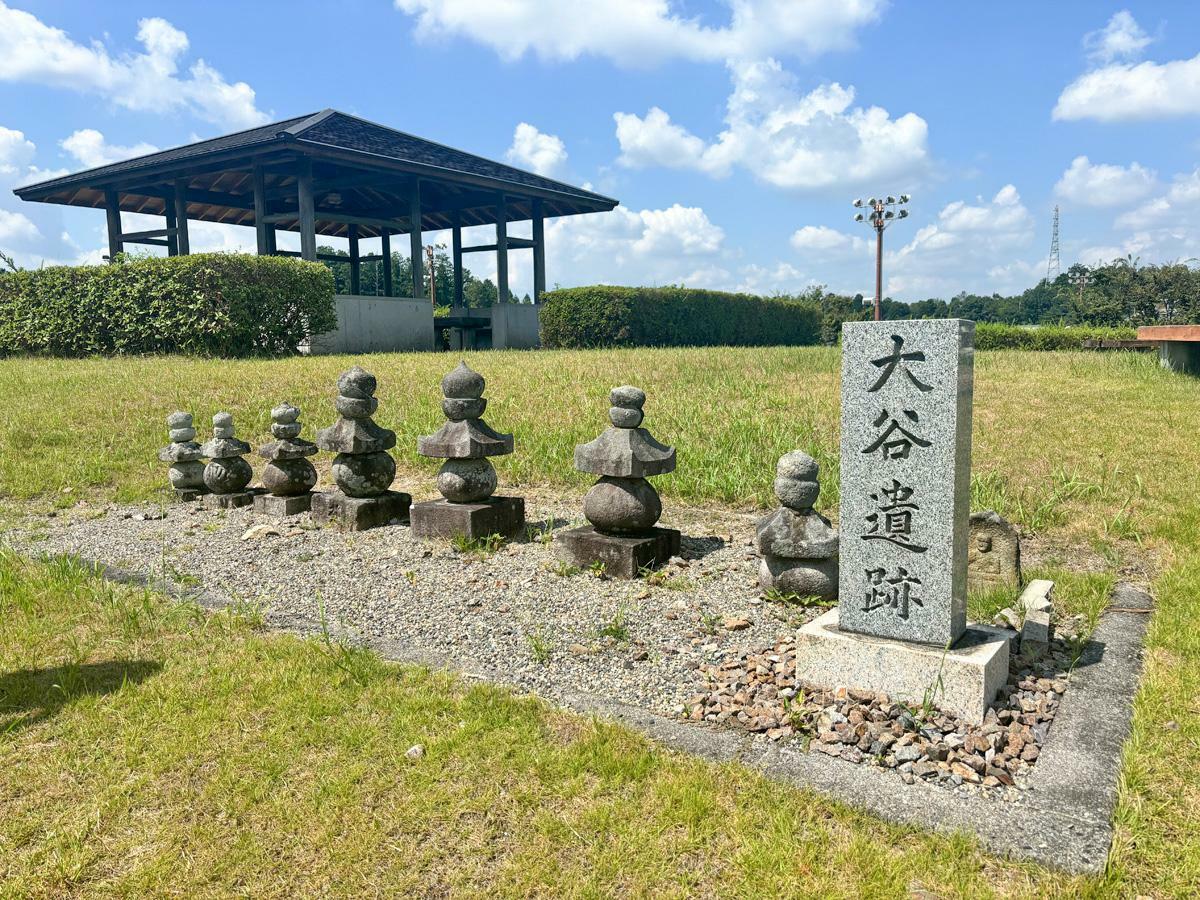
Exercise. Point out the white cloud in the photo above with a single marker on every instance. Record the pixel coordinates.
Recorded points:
(33, 52)
(1164, 226)
(1101, 184)
(91, 149)
(644, 32)
(787, 139)
(822, 238)
(16, 151)
(543, 153)
(1121, 38)
(16, 228)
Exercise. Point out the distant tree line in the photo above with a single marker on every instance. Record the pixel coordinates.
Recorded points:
(1121, 293)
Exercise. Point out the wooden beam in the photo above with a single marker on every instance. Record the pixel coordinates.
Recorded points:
(155, 242)
(308, 218)
(172, 232)
(415, 244)
(539, 252)
(457, 251)
(514, 243)
(340, 218)
(385, 241)
(112, 209)
(183, 242)
(501, 249)
(355, 262)
(132, 237)
(260, 211)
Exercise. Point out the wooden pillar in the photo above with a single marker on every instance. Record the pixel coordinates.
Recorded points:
(385, 241)
(355, 264)
(539, 252)
(415, 244)
(182, 242)
(112, 208)
(501, 250)
(456, 251)
(261, 228)
(308, 216)
(172, 235)
(272, 247)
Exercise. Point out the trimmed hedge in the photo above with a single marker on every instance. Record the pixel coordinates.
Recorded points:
(604, 316)
(992, 336)
(212, 304)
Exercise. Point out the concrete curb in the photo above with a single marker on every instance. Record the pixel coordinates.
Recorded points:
(1063, 821)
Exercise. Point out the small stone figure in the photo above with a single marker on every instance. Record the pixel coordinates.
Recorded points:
(226, 474)
(288, 475)
(798, 545)
(622, 506)
(363, 469)
(993, 552)
(467, 479)
(186, 473)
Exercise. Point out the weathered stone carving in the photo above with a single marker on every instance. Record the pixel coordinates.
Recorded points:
(993, 552)
(227, 473)
(288, 475)
(798, 545)
(186, 473)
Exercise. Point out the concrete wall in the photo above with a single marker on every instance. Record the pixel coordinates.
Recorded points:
(516, 326)
(377, 325)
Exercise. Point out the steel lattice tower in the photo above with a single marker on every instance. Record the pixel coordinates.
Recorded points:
(1053, 266)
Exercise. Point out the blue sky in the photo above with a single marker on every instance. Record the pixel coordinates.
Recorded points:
(735, 133)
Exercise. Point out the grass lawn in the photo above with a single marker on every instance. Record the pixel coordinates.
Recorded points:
(145, 748)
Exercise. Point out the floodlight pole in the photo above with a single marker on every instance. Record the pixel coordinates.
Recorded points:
(880, 217)
(879, 265)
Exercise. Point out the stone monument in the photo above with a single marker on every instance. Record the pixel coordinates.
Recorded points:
(622, 506)
(467, 479)
(288, 475)
(798, 545)
(993, 552)
(186, 473)
(900, 626)
(363, 469)
(226, 474)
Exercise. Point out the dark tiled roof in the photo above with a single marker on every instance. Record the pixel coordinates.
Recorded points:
(330, 129)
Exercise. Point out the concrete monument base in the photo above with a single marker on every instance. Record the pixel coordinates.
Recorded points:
(360, 513)
(624, 556)
(280, 507)
(443, 519)
(971, 672)
(229, 501)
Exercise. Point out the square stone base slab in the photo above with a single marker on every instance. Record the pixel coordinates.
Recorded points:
(972, 671)
(360, 513)
(230, 501)
(623, 556)
(280, 507)
(443, 519)
(190, 495)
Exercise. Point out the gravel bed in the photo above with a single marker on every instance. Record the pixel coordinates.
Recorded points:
(512, 615)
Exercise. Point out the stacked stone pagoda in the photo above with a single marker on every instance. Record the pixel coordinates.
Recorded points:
(288, 475)
(622, 506)
(186, 473)
(363, 468)
(798, 545)
(227, 473)
(467, 478)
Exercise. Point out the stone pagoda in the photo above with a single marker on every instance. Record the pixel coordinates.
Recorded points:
(186, 473)
(467, 478)
(288, 475)
(798, 545)
(227, 473)
(622, 506)
(363, 468)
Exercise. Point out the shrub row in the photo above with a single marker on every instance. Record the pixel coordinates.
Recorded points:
(603, 316)
(210, 304)
(991, 336)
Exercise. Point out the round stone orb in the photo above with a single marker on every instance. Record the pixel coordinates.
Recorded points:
(459, 408)
(797, 465)
(624, 416)
(466, 480)
(182, 435)
(802, 577)
(364, 474)
(627, 396)
(227, 475)
(797, 494)
(223, 420)
(289, 477)
(622, 505)
(285, 431)
(356, 382)
(179, 420)
(188, 474)
(356, 407)
(463, 383)
(285, 414)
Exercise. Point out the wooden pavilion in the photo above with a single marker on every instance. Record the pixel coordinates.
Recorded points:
(328, 174)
